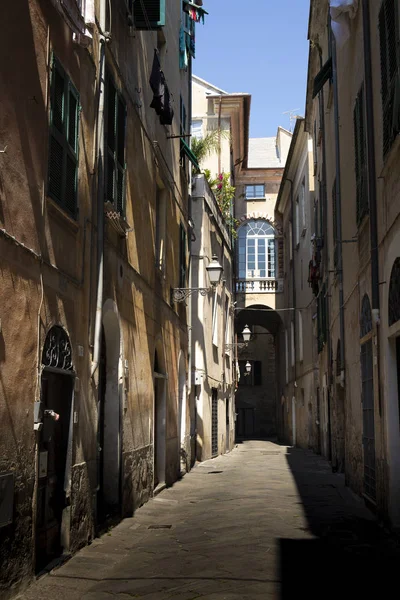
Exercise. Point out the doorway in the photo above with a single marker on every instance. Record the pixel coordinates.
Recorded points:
(214, 422)
(54, 449)
(159, 419)
(109, 417)
(182, 399)
(227, 444)
(367, 399)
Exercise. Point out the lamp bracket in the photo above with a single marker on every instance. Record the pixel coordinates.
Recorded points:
(181, 294)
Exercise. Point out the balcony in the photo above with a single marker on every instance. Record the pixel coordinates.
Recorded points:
(259, 286)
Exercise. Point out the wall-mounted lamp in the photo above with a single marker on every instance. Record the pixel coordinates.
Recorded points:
(248, 368)
(246, 333)
(214, 270)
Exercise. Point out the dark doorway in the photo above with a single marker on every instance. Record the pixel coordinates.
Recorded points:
(101, 502)
(159, 420)
(54, 445)
(214, 422)
(367, 399)
(245, 423)
(398, 371)
(227, 425)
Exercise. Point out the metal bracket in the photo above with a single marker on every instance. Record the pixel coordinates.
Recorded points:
(181, 294)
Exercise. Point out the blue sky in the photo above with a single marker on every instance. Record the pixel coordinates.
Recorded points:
(259, 47)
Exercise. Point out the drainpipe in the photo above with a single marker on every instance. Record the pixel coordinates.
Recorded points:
(338, 212)
(373, 220)
(100, 191)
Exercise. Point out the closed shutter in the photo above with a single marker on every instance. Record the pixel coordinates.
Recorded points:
(115, 137)
(360, 151)
(63, 144)
(257, 372)
(182, 257)
(334, 225)
(388, 38)
(149, 14)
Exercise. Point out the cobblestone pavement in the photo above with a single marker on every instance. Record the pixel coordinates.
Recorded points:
(264, 521)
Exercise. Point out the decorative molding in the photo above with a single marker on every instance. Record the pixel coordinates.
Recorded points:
(261, 215)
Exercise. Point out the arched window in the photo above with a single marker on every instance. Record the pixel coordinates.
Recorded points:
(394, 293)
(57, 350)
(257, 252)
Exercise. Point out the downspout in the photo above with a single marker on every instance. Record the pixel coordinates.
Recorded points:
(339, 213)
(373, 220)
(100, 191)
(192, 426)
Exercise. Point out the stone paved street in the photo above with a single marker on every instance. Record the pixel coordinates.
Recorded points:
(264, 521)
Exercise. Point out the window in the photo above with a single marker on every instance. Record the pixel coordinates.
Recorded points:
(257, 252)
(292, 347)
(182, 257)
(394, 293)
(257, 372)
(63, 147)
(334, 225)
(161, 206)
(321, 317)
(227, 325)
(389, 40)
(303, 207)
(149, 14)
(197, 129)
(215, 319)
(360, 151)
(115, 134)
(286, 356)
(297, 221)
(300, 333)
(290, 240)
(255, 192)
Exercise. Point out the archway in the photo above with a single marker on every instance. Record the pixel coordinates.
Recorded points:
(338, 439)
(54, 448)
(109, 411)
(182, 400)
(160, 415)
(256, 400)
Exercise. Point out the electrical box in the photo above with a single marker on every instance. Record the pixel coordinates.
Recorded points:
(197, 378)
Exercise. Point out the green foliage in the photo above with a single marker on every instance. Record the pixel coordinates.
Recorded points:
(224, 194)
(209, 144)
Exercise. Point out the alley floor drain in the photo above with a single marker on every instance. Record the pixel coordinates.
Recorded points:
(159, 526)
(214, 472)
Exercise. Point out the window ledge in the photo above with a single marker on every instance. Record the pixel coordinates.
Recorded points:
(390, 157)
(61, 215)
(255, 199)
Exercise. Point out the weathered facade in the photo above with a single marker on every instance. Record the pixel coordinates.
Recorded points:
(94, 218)
(212, 325)
(352, 113)
(298, 403)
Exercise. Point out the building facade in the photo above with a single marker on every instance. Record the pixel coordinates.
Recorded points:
(94, 223)
(299, 409)
(352, 113)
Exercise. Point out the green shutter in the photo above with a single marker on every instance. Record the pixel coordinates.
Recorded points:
(182, 257)
(149, 14)
(63, 145)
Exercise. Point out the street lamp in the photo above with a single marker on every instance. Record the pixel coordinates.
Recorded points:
(214, 270)
(248, 368)
(246, 333)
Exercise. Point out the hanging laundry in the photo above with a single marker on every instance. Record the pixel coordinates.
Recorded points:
(183, 50)
(161, 97)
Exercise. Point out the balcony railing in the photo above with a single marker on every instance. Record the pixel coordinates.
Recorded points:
(259, 286)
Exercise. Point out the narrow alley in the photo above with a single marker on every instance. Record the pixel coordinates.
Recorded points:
(264, 521)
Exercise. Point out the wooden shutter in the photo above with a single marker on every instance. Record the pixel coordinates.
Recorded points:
(182, 257)
(389, 38)
(360, 152)
(257, 372)
(63, 145)
(115, 142)
(149, 14)
(120, 155)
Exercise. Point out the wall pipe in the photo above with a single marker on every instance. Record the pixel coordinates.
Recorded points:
(100, 192)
